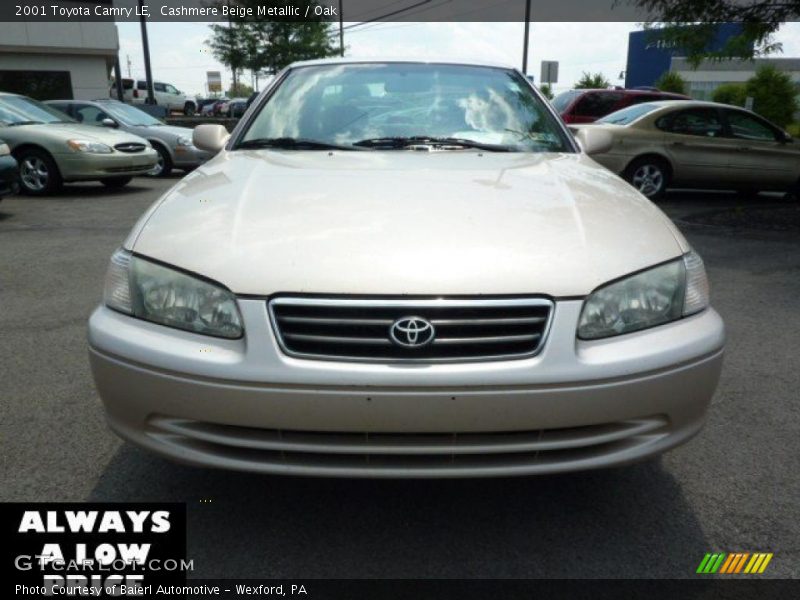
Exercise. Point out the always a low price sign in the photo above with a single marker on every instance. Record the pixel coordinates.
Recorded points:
(93, 549)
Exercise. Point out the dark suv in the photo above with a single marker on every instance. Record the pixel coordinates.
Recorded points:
(586, 106)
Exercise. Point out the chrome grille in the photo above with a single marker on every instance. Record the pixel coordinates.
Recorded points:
(130, 147)
(359, 329)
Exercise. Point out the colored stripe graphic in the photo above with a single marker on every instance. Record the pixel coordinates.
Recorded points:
(734, 563)
(711, 562)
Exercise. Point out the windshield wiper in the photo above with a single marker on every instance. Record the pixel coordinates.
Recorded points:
(396, 143)
(288, 143)
(17, 123)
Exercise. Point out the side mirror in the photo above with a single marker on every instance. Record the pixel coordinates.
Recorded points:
(594, 140)
(211, 138)
(109, 123)
(787, 138)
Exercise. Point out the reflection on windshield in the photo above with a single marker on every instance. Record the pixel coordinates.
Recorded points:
(628, 115)
(344, 104)
(18, 110)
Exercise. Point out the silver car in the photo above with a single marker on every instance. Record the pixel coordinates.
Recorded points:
(401, 269)
(53, 149)
(173, 144)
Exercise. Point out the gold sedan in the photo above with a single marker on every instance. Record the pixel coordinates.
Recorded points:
(698, 145)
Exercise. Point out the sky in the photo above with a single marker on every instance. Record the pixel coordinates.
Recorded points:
(179, 55)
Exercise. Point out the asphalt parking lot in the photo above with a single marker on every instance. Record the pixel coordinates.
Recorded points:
(733, 488)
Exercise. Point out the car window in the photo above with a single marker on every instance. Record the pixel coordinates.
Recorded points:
(596, 104)
(564, 99)
(747, 127)
(64, 107)
(629, 114)
(159, 87)
(89, 114)
(171, 89)
(694, 121)
(21, 110)
(343, 104)
(141, 85)
(129, 115)
(642, 98)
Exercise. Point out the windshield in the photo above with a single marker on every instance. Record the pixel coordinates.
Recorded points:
(19, 110)
(563, 100)
(129, 115)
(628, 115)
(346, 104)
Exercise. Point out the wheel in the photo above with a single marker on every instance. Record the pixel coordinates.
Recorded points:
(164, 165)
(189, 109)
(648, 175)
(116, 182)
(38, 173)
(793, 193)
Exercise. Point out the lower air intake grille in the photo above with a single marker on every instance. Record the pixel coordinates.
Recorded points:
(385, 330)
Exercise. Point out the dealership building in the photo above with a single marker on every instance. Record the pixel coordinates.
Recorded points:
(57, 60)
(709, 75)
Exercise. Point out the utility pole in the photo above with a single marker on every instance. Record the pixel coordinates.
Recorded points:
(341, 28)
(527, 32)
(148, 74)
(118, 79)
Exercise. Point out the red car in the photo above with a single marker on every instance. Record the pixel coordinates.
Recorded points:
(586, 106)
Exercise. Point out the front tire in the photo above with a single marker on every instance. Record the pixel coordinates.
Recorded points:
(116, 182)
(164, 165)
(650, 176)
(38, 173)
(189, 109)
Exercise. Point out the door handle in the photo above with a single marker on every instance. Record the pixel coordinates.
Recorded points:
(678, 143)
(744, 149)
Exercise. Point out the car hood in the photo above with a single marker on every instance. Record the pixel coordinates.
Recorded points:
(451, 222)
(61, 132)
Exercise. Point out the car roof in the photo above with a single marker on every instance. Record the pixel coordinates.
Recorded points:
(352, 61)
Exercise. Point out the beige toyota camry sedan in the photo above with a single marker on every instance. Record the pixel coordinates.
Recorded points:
(405, 269)
(698, 145)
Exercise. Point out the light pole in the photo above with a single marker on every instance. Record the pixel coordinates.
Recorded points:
(341, 28)
(148, 74)
(525, 41)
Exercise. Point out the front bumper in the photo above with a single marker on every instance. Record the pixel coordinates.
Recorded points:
(9, 176)
(84, 166)
(241, 404)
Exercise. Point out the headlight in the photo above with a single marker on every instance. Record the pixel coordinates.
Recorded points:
(184, 141)
(4, 150)
(89, 146)
(162, 295)
(653, 297)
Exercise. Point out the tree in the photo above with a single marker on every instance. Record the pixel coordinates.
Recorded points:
(228, 45)
(547, 90)
(691, 24)
(671, 82)
(240, 90)
(268, 46)
(774, 95)
(595, 81)
(730, 93)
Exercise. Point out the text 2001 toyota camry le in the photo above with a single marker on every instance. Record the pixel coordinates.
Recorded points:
(404, 269)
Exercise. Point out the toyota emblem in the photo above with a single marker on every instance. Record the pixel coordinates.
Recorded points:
(412, 332)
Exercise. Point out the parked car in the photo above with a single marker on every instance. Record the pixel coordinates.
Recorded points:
(51, 148)
(699, 145)
(165, 94)
(213, 108)
(586, 106)
(9, 172)
(237, 107)
(398, 269)
(203, 102)
(173, 144)
(221, 107)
